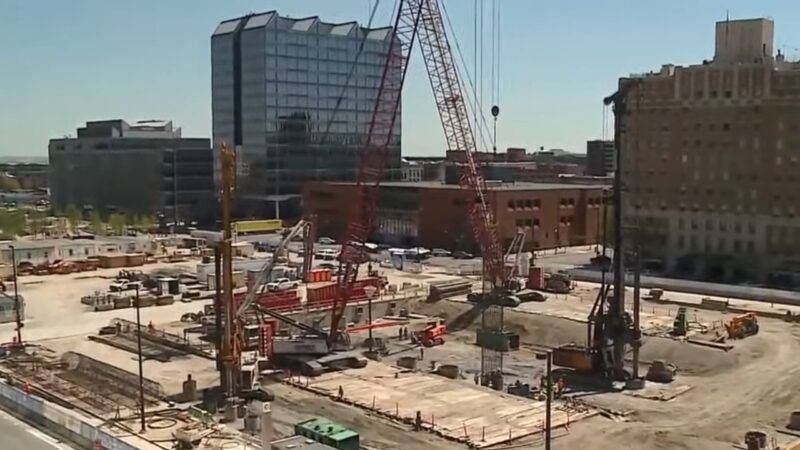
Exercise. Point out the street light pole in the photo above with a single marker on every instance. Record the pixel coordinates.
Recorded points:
(141, 368)
(17, 311)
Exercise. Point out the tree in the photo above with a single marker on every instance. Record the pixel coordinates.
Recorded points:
(148, 220)
(36, 221)
(98, 227)
(131, 220)
(117, 222)
(73, 215)
(12, 223)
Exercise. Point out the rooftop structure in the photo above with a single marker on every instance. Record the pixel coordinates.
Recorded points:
(495, 186)
(299, 443)
(118, 128)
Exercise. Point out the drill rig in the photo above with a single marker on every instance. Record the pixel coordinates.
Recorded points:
(611, 330)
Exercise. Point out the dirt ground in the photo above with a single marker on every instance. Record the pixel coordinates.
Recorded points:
(754, 386)
(293, 405)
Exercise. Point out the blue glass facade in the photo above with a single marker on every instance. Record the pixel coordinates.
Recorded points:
(294, 97)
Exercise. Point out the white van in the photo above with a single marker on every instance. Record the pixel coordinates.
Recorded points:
(326, 254)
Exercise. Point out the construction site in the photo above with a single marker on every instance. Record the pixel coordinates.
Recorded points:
(319, 345)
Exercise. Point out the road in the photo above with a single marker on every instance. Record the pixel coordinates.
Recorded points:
(19, 435)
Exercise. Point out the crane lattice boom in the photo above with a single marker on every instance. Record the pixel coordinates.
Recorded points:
(450, 102)
(382, 132)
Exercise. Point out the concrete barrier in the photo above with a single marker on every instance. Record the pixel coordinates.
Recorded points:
(59, 421)
(703, 288)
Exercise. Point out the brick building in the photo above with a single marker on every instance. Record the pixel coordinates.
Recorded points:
(434, 214)
(711, 154)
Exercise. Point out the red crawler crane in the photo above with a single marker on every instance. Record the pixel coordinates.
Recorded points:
(422, 19)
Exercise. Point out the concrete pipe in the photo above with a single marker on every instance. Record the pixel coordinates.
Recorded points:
(407, 362)
(755, 440)
(794, 420)
(448, 371)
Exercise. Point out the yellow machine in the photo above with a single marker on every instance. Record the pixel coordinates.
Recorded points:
(742, 326)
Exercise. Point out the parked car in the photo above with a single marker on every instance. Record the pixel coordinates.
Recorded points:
(282, 284)
(600, 260)
(325, 241)
(440, 252)
(462, 255)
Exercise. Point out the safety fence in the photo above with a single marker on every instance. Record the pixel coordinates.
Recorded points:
(72, 427)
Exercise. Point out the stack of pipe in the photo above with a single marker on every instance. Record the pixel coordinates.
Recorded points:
(451, 288)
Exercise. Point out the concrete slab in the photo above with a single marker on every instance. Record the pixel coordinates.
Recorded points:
(456, 410)
(170, 375)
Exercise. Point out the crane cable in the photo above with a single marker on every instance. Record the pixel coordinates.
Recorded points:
(350, 74)
(480, 131)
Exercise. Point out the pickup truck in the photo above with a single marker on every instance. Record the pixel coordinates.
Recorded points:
(124, 285)
(282, 284)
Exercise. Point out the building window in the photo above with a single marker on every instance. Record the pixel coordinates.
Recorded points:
(519, 204)
(46, 255)
(737, 246)
(528, 204)
(681, 242)
(750, 248)
(519, 223)
(29, 255)
(535, 222)
(70, 252)
(528, 222)
(537, 203)
(511, 205)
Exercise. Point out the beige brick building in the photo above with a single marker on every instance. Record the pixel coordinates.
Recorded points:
(711, 160)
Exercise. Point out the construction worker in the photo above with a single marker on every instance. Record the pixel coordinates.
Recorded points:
(418, 421)
(341, 392)
(421, 353)
(400, 333)
(560, 386)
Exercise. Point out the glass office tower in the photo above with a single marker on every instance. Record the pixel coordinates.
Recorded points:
(294, 98)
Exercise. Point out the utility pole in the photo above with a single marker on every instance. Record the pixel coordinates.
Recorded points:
(549, 400)
(17, 308)
(141, 367)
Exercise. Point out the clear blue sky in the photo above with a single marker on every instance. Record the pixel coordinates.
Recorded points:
(65, 62)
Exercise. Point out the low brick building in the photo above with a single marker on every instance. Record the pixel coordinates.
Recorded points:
(433, 214)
